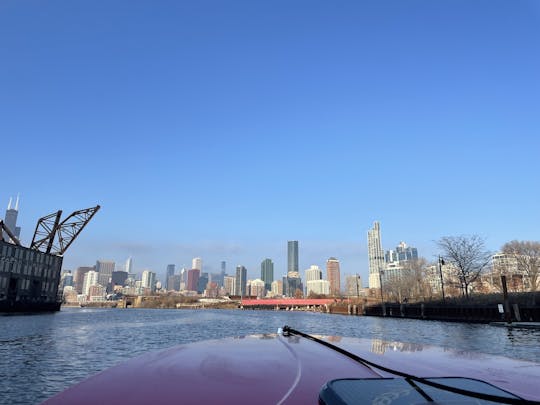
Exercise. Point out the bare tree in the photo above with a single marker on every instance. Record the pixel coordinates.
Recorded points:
(527, 257)
(410, 283)
(468, 256)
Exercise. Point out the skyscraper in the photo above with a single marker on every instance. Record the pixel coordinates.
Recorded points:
(375, 255)
(196, 263)
(267, 273)
(402, 253)
(193, 279)
(10, 220)
(148, 280)
(313, 273)
(241, 281)
(129, 265)
(170, 272)
(333, 276)
(105, 269)
(292, 256)
(78, 279)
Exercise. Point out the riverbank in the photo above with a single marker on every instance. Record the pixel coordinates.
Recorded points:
(470, 313)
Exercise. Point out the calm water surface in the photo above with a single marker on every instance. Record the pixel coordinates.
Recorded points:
(41, 355)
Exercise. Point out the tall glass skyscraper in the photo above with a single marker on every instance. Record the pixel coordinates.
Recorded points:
(267, 273)
(241, 281)
(375, 255)
(292, 256)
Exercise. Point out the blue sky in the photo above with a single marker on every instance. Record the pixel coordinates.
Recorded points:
(223, 129)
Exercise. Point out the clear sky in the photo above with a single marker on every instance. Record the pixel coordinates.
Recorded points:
(222, 129)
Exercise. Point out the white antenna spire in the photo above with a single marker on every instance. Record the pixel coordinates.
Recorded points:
(9, 204)
(17, 203)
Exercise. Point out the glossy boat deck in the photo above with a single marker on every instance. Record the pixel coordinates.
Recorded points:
(273, 369)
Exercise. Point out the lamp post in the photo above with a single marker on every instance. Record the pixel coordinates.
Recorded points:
(441, 263)
(381, 272)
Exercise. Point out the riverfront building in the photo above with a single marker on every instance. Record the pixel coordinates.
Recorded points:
(375, 255)
(318, 287)
(333, 276)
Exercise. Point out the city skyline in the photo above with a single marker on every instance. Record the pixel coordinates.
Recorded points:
(175, 118)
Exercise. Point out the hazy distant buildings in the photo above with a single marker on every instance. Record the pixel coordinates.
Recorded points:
(78, 279)
(375, 255)
(171, 268)
(129, 265)
(10, 220)
(105, 269)
(241, 281)
(193, 279)
(267, 273)
(229, 285)
(196, 263)
(119, 278)
(292, 256)
(90, 279)
(148, 280)
(333, 276)
(203, 281)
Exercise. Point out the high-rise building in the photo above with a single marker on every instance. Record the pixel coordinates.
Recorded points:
(229, 285)
(196, 263)
(66, 280)
(353, 286)
(193, 279)
(105, 269)
(119, 278)
(90, 279)
(148, 280)
(333, 276)
(10, 220)
(313, 273)
(402, 253)
(78, 280)
(129, 265)
(277, 288)
(241, 281)
(318, 287)
(202, 283)
(171, 268)
(267, 273)
(375, 255)
(257, 288)
(292, 256)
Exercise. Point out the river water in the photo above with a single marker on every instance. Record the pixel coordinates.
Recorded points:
(41, 355)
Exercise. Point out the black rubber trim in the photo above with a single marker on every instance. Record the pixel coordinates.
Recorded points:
(488, 397)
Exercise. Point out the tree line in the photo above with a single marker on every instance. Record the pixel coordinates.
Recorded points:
(461, 269)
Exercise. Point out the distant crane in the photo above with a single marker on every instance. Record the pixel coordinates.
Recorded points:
(54, 237)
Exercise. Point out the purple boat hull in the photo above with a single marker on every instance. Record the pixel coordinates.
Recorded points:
(273, 369)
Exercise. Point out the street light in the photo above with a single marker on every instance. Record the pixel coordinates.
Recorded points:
(441, 263)
(381, 272)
